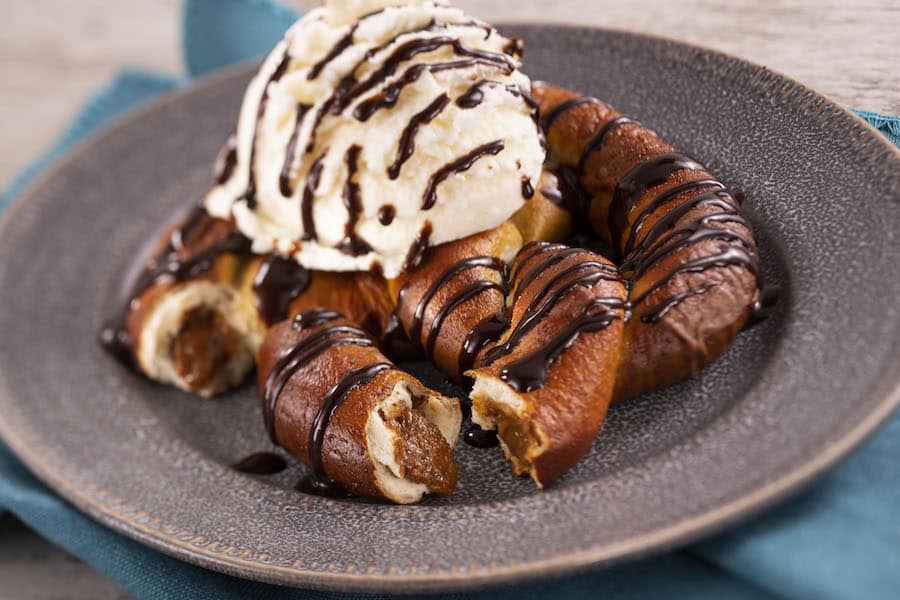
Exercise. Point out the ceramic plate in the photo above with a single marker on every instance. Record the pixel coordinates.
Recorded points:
(791, 397)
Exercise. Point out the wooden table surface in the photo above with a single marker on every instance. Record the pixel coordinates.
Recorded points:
(849, 50)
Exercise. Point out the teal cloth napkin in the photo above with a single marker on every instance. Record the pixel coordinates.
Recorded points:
(840, 538)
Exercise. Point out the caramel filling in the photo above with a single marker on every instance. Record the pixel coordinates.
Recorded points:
(423, 453)
(204, 344)
(519, 437)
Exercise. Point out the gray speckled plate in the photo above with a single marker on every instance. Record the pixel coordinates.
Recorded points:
(793, 395)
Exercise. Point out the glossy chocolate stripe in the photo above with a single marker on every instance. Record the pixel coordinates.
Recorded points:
(352, 244)
(409, 50)
(302, 353)
(226, 161)
(250, 193)
(661, 200)
(342, 44)
(486, 332)
(544, 301)
(530, 251)
(391, 93)
(418, 248)
(348, 88)
(467, 293)
(176, 262)
(635, 183)
(284, 179)
(729, 256)
(562, 108)
(529, 372)
(330, 404)
(660, 246)
(662, 309)
(599, 139)
(407, 144)
(460, 165)
(415, 329)
(313, 317)
(309, 193)
(474, 96)
(278, 282)
(541, 266)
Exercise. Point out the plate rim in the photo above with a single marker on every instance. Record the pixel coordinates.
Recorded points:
(637, 546)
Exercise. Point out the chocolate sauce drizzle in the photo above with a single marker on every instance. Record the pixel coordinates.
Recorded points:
(529, 372)
(474, 96)
(460, 165)
(527, 188)
(177, 262)
(352, 244)
(467, 293)
(539, 307)
(350, 88)
(560, 253)
(635, 183)
(407, 144)
(386, 214)
(312, 346)
(663, 199)
(250, 194)
(278, 282)
(599, 139)
(304, 352)
(482, 335)
(419, 247)
(562, 108)
(315, 485)
(226, 161)
(406, 51)
(514, 47)
(285, 185)
(571, 196)
(309, 193)
(473, 435)
(261, 463)
(470, 291)
(656, 245)
(332, 401)
(342, 44)
(477, 437)
(660, 310)
(664, 238)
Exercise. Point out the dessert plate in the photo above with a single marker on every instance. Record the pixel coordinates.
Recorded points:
(792, 396)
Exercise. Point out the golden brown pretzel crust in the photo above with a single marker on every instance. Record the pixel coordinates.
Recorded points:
(685, 284)
(346, 455)
(661, 346)
(548, 429)
(361, 297)
(460, 284)
(223, 269)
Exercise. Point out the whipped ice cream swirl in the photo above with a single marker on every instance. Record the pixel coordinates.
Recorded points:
(378, 127)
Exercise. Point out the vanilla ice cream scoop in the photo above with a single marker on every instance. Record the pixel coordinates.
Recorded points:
(377, 128)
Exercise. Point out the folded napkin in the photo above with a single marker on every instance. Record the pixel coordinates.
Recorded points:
(840, 538)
